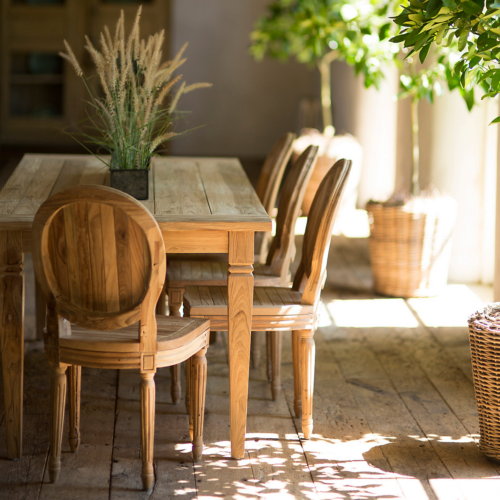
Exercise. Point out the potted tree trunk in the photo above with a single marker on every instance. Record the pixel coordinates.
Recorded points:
(129, 119)
(410, 234)
(319, 33)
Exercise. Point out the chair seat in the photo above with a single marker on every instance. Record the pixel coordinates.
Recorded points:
(274, 308)
(181, 274)
(177, 339)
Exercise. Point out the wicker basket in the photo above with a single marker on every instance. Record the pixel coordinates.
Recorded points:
(410, 246)
(484, 335)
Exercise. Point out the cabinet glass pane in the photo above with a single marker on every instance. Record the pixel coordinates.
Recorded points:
(37, 2)
(36, 101)
(127, 2)
(36, 63)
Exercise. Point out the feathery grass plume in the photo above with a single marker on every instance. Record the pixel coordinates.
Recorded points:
(70, 56)
(128, 119)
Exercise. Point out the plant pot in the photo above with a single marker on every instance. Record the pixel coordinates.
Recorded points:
(484, 337)
(410, 246)
(331, 149)
(133, 182)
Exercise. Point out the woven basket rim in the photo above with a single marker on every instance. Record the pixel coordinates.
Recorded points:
(487, 318)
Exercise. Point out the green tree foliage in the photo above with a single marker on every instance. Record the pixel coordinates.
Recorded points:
(358, 32)
(318, 32)
(472, 26)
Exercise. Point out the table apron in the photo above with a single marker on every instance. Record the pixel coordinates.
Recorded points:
(196, 241)
(176, 241)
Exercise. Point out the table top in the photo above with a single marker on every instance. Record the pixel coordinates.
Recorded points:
(185, 193)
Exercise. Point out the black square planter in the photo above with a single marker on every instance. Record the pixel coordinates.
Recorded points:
(133, 182)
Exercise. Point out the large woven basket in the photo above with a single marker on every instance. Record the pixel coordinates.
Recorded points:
(410, 246)
(484, 335)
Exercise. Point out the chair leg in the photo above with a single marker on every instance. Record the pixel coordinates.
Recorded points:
(307, 360)
(297, 401)
(192, 395)
(175, 296)
(255, 349)
(269, 356)
(276, 364)
(40, 310)
(148, 397)
(199, 388)
(74, 375)
(188, 386)
(57, 404)
(175, 387)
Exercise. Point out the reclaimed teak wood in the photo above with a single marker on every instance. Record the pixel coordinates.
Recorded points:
(277, 308)
(202, 205)
(276, 269)
(100, 260)
(269, 184)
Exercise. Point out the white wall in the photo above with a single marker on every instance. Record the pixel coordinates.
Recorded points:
(458, 156)
(460, 163)
(251, 103)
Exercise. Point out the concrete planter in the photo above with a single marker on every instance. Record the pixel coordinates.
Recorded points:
(133, 182)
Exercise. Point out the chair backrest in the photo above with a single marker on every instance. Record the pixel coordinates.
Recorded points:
(273, 170)
(282, 249)
(100, 260)
(311, 273)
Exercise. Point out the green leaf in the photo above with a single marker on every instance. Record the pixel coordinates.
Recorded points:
(398, 38)
(471, 8)
(468, 96)
(495, 81)
(384, 31)
(423, 53)
(496, 120)
(451, 4)
(401, 19)
(433, 8)
(411, 40)
(421, 41)
(462, 40)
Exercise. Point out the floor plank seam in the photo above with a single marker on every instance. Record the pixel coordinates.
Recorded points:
(367, 421)
(44, 471)
(309, 466)
(114, 435)
(452, 362)
(389, 378)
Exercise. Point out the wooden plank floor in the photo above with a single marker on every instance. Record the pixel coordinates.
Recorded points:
(394, 410)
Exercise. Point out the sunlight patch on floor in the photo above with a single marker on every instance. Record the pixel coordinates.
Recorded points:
(376, 313)
(451, 308)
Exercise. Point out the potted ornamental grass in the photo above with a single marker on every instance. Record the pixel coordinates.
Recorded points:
(133, 114)
(317, 34)
(410, 233)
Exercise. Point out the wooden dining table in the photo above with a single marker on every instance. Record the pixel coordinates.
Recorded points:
(202, 205)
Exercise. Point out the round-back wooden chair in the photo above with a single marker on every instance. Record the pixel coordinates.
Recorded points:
(278, 308)
(100, 261)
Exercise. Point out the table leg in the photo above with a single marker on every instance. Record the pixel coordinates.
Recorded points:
(12, 336)
(240, 301)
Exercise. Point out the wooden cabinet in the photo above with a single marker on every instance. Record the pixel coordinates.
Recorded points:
(40, 95)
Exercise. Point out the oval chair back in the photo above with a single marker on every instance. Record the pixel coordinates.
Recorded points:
(311, 273)
(282, 249)
(100, 259)
(273, 170)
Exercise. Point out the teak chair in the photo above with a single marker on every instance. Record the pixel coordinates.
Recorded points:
(100, 261)
(269, 183)
(278, 308)
(274, 272)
